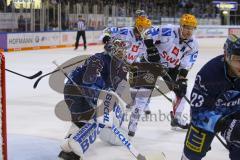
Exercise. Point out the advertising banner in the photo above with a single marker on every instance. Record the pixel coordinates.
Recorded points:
(3, 40)
(235, 31)
(211, 32)
(8, 21)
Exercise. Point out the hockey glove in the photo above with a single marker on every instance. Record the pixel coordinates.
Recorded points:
(106, 39)
(230, 130)
(181, 88)
(152, 52)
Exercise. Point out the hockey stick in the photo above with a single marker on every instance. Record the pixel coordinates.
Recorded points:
(38, 80)
(28, 77)
(118, 133)
(169, 99)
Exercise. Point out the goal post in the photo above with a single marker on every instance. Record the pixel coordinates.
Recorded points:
(3, 124)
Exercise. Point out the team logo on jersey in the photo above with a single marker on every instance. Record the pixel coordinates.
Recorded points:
(135, 48)
(194, 57)
(166, 31)
(175, 51)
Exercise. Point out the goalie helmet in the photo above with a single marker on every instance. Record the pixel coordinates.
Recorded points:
(232, 45)
(188, 20)
(117, 47)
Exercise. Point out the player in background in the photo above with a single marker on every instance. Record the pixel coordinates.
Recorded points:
(176, 48)
(133, 35)
(134, 90)
(135, 52)
(101, 72)
(215, 104)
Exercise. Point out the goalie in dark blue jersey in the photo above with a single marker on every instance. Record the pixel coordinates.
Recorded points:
(96, 81)
(215, 104)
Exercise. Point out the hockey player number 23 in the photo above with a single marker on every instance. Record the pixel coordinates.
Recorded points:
(197, 100)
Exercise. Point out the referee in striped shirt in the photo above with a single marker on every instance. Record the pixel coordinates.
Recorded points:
(81, 32)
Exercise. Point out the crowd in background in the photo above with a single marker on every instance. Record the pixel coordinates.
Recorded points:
(163, 8)
(156, 9)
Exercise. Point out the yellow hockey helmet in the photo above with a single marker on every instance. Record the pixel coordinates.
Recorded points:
(142, 23)
(188, 20)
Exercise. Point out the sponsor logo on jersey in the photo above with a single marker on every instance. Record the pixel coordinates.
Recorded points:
(169, 59)
(131, 57)
(175, 51)
(166, 32)
(135, 48)
(221, 102)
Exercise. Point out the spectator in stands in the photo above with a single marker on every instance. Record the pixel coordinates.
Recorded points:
(81, 26)
(1, 5)
(21, 24)
(10, 7)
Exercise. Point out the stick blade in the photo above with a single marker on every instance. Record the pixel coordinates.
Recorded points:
(36, 83)
(156, 156)
(35, 75)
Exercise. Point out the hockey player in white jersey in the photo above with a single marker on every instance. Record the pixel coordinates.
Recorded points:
(133, 35)
(135, 52)
(175, 48)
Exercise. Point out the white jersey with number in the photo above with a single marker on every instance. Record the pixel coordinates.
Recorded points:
(136, 47)
(173, 52)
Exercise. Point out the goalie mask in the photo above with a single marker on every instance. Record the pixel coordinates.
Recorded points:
(117, 48)
(232, 54)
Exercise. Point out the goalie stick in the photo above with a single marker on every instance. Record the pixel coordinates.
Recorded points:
(28, 77)
(47, 74)
(117, 132)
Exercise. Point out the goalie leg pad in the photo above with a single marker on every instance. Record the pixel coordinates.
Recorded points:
(78, 140)
(108, 136)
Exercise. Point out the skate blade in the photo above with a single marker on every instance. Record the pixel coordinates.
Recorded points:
(178, 129)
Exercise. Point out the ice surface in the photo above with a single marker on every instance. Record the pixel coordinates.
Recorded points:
(34, 132)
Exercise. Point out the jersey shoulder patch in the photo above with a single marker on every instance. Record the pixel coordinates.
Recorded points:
(166, 31)
(153, 31)
(123, 31)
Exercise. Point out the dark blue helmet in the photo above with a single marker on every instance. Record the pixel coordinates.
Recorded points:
(232, 45)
